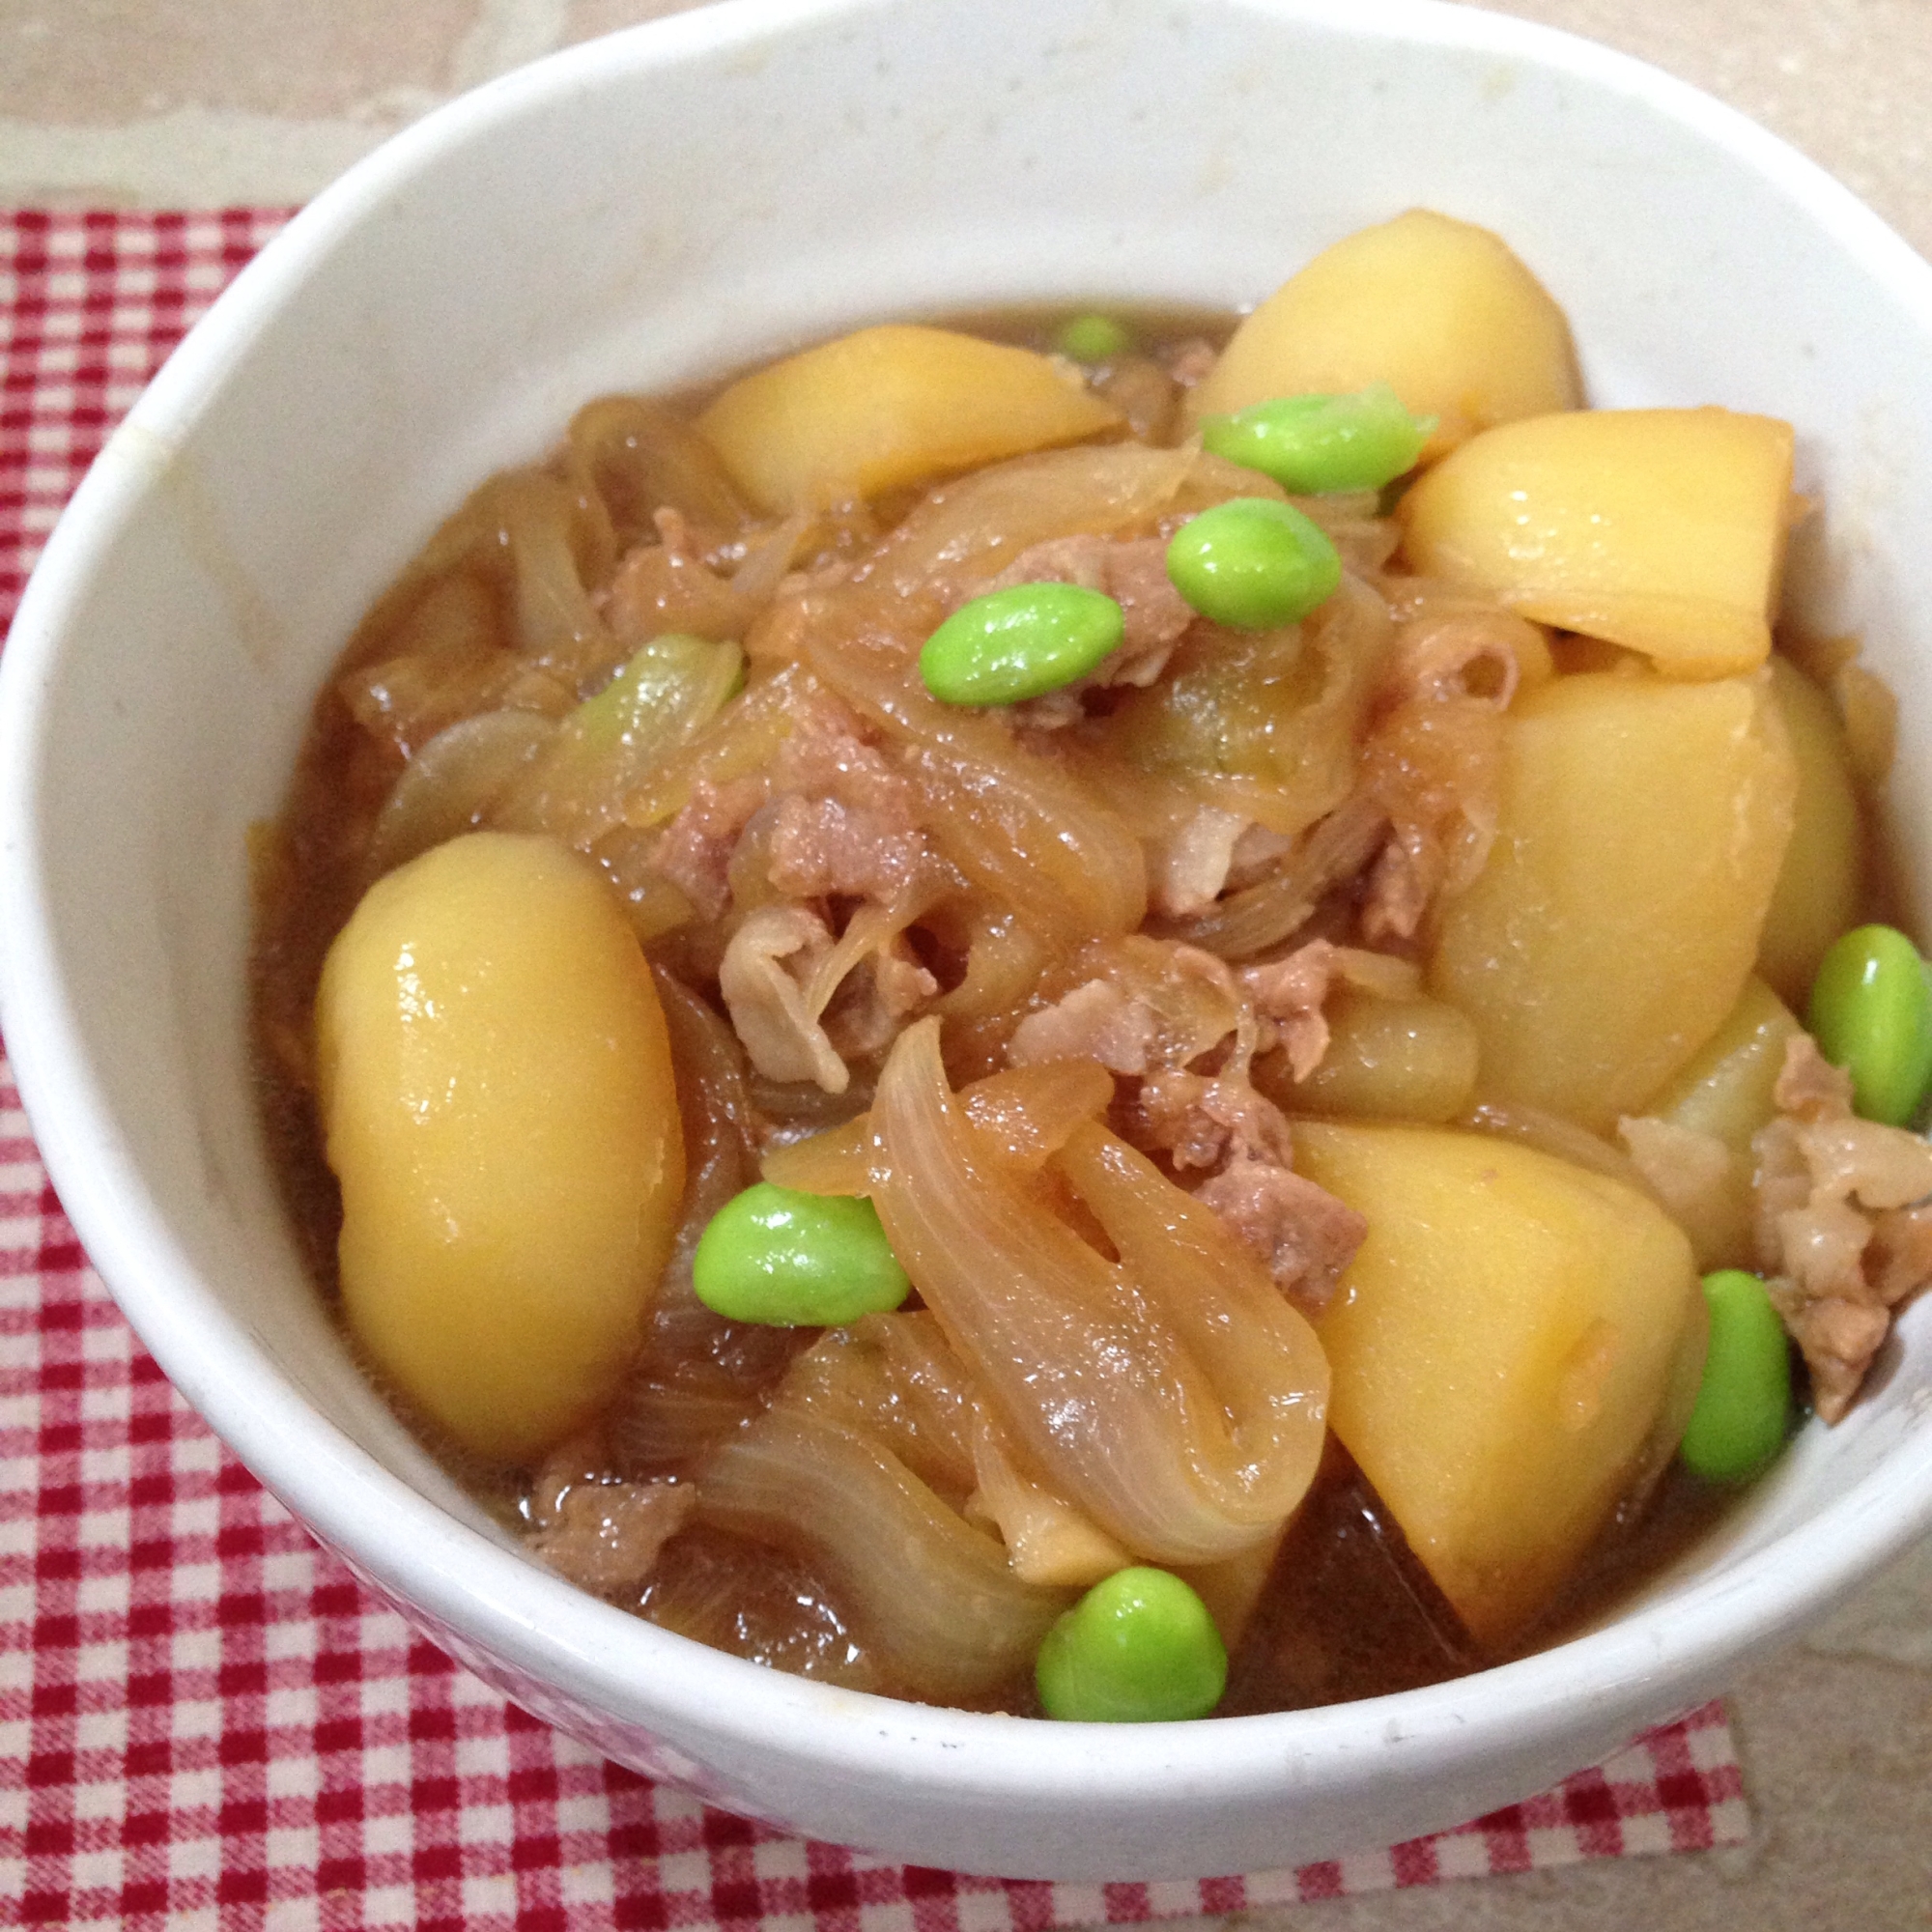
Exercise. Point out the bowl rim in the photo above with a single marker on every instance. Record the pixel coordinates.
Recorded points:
(482, 1592)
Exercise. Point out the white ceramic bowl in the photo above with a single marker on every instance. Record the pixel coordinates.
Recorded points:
(664, 205)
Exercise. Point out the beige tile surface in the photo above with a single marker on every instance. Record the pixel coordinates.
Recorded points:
(198, 101)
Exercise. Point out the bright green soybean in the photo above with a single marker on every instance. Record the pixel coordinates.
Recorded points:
(1310, 445)
(1138, 1648)
(1745, 1398)
(1093, 338)
(788, 1260)
(1020, 643)
(1253, 564)
(1871, 1014)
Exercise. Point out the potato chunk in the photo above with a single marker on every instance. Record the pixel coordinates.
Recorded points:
(497, 1099)
(1502, 1346)
(1438, 309)
(1659, 529)
(890, 407)
(1823, 877)
(1722, 1099)
(1642, 828)
(1387, 1060)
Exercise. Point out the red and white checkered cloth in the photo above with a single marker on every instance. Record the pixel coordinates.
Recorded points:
(204, 1718)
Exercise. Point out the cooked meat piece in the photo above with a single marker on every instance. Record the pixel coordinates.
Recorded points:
(695, 853)
(1301, 1230)
(605, 1536)
(1292, 992)
(1840, 1234)
(876, 999)
(767, 966)
(821, 846)
(1201, 1121)
(1148, 1004)
(668, 586)
(1187, 873)
(1097, 1021)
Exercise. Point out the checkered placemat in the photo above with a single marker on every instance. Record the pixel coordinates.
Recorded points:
(204, 1718)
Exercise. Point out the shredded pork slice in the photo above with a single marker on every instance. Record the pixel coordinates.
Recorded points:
(1187, 873)
(1701, 1184)
(1432, 760)
(847, 819)
(1204, 1121)
(1097, 1021)
(605, 1536)
(876, 999)
(695, 853)
(1301, 1231)
(1291, 992)
(1177, 1019)
(767, 965)
(822, 846)
(1842, 1229)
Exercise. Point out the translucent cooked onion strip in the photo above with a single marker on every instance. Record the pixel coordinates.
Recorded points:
(837, 1161)
(1026, 1113)
(1025, 833)
(1049, 1541)
(1250, 921)
(698, 1376)
(971, 530)
(1021, 828)
(556, 621)
(665, 694)
(448, 785)
(740, 742)
(934, 1597)
(636, 457)
(1174, 1396)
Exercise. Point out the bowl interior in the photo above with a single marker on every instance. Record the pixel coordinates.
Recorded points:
(666, 205)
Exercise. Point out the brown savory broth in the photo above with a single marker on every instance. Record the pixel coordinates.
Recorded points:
(645, 535)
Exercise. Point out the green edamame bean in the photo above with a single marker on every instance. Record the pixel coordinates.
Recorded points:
(1870, 1012)
(1138, 1648)
(1020, 643)
(1093, 338)
(1314, 443)
(1739, 1422)
(1253, 564)
(788, 1260)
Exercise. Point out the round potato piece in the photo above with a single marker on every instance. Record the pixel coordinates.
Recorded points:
(1438, 309)
(500, 1108)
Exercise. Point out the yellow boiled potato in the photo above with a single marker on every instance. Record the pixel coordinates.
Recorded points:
(1501, 1347)
(1438, 309)
(1642, 828)
(889, 407)
(1388, 1060)
(497, 1099)
(1659, 529)
(1727, 1093)
(1819, 890)
(1725, 1090)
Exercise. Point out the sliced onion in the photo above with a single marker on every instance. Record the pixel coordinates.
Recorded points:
(447, 787)
(1172, 1396)
(936, 1599)
(1027, 1113)
(698, 1376)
